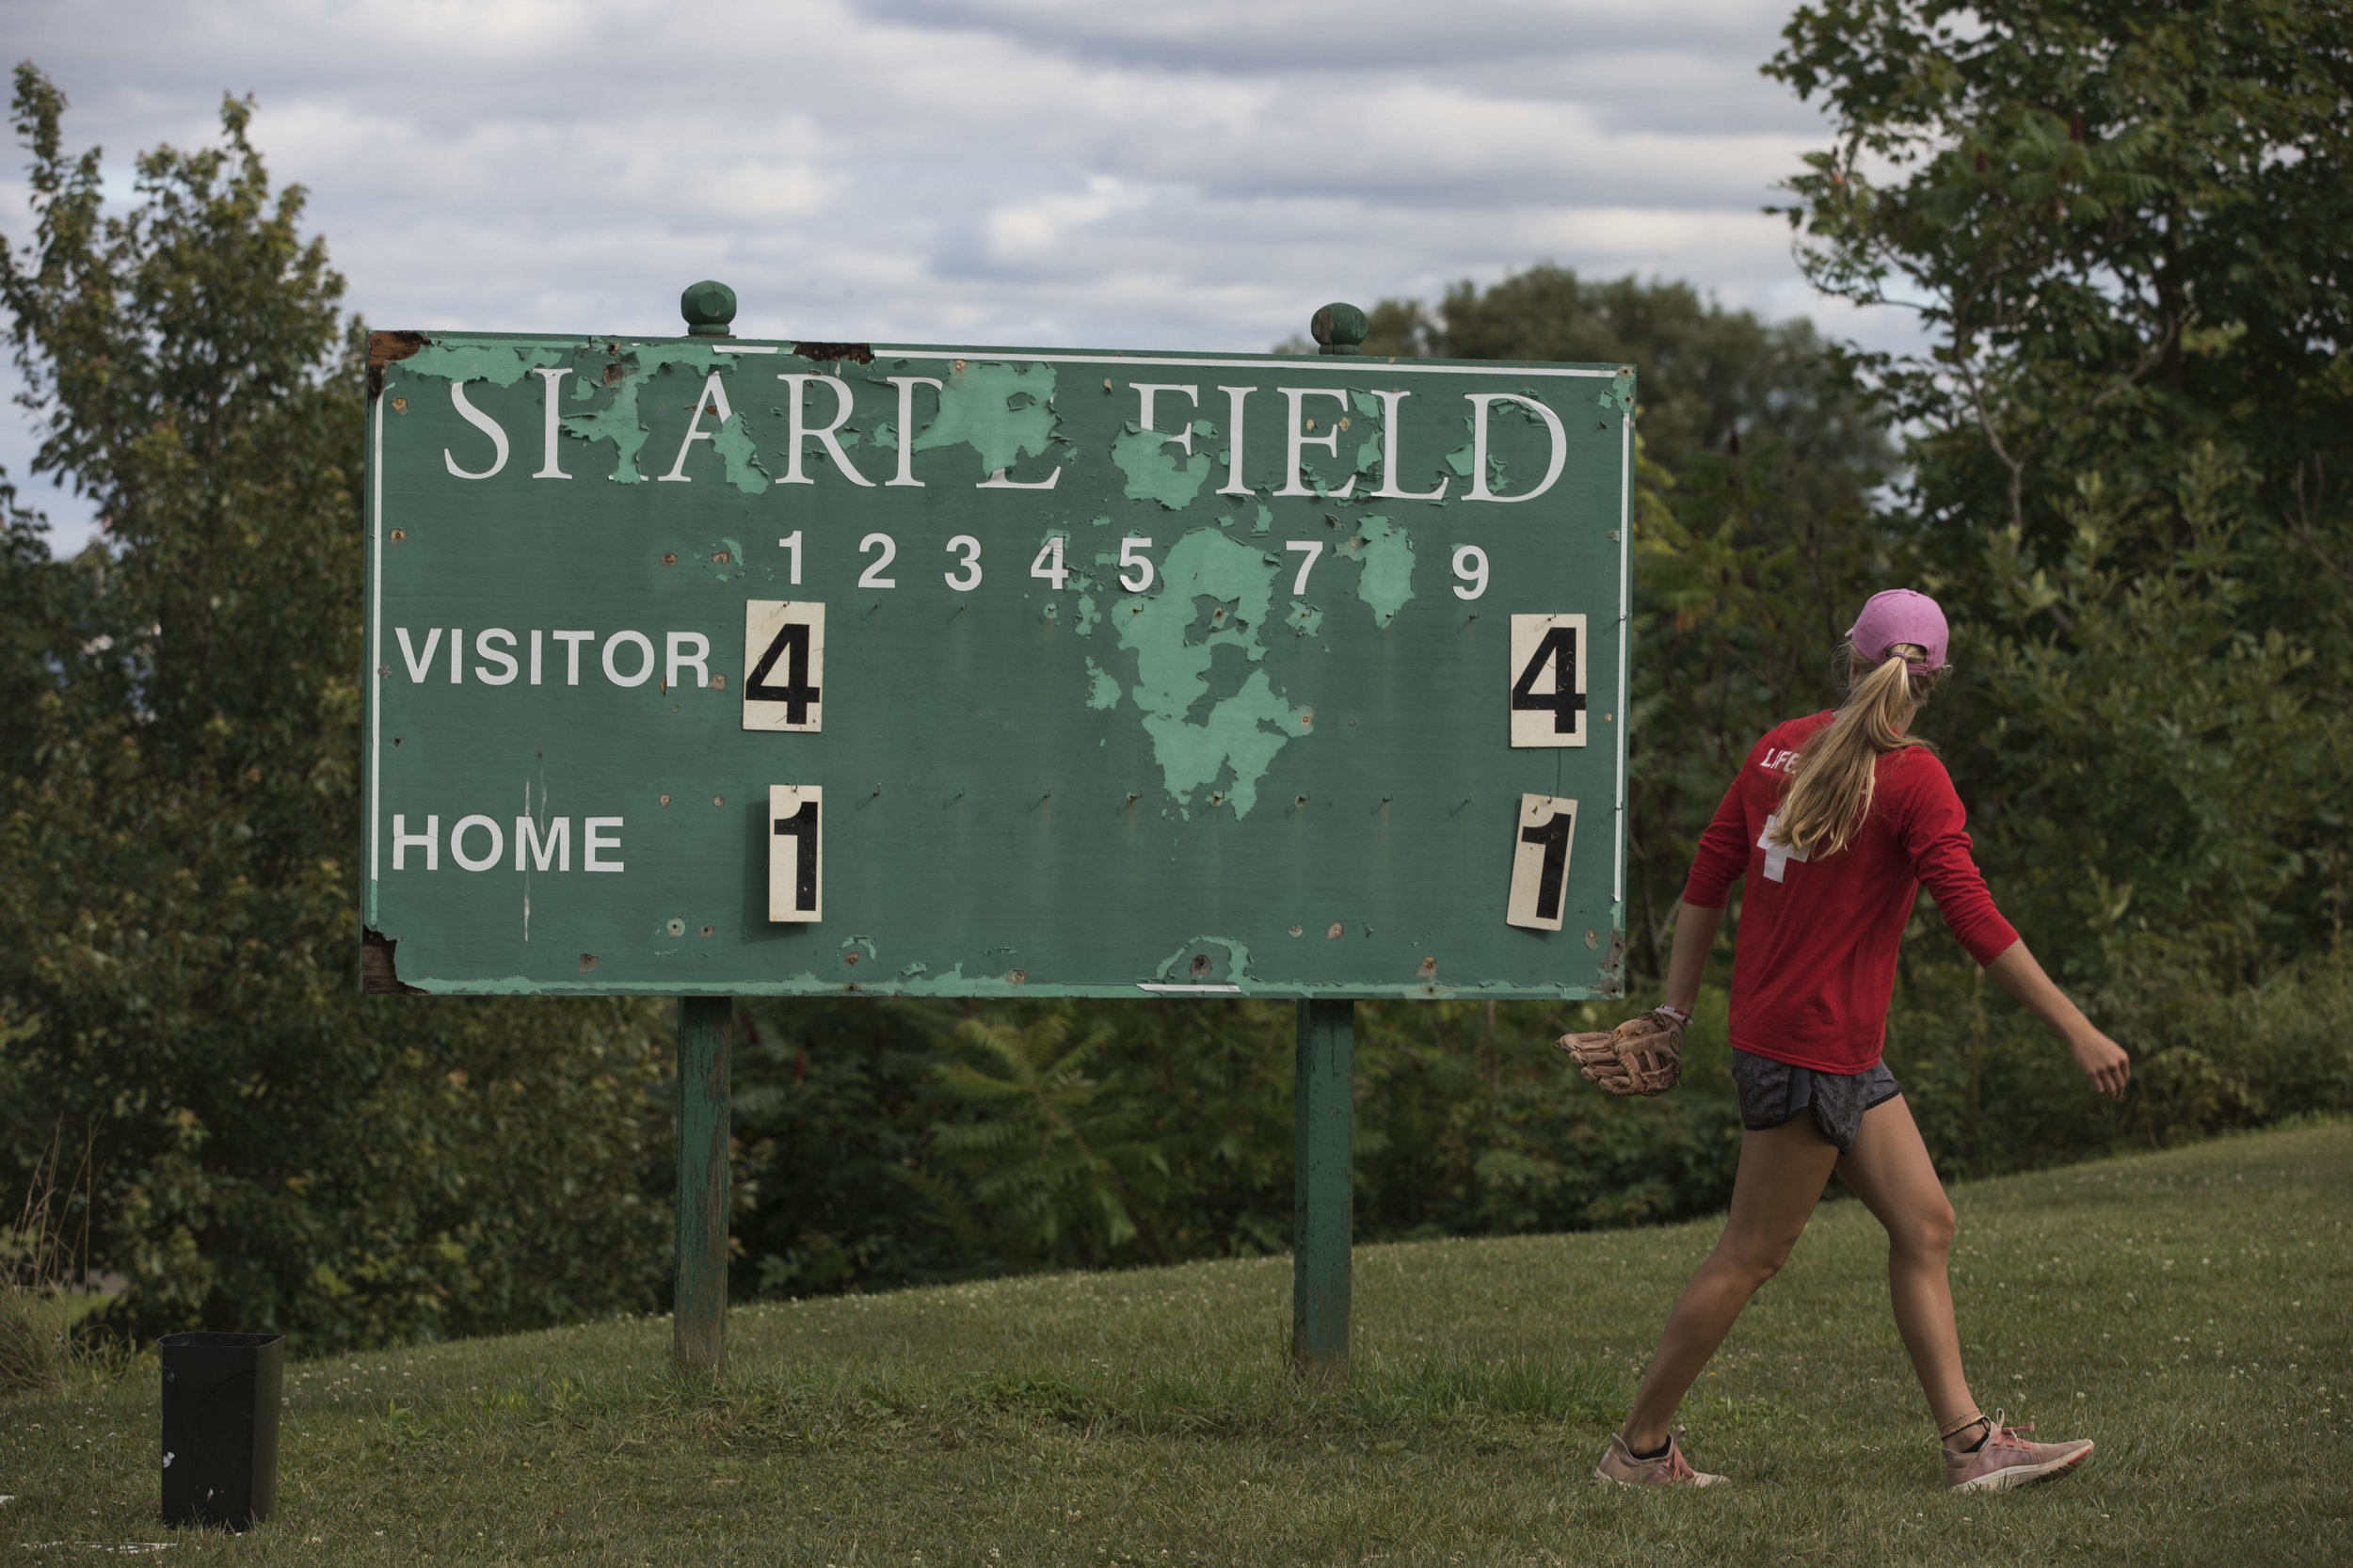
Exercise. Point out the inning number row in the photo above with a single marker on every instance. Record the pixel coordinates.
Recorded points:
(1136, 570)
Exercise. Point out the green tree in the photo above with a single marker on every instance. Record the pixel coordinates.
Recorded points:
(833, 1101)
(2124, 229)
(178, 900)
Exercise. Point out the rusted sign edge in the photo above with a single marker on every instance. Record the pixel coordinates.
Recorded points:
(857, 353)
(379, 975)
(383, 348)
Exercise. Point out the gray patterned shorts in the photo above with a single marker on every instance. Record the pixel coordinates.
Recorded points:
(1773, 1092)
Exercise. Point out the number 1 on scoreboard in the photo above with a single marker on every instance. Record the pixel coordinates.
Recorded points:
(1540, 862)
(796, 853)
(784, 665)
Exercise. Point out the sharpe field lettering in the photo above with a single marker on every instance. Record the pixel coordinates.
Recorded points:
(710, 666)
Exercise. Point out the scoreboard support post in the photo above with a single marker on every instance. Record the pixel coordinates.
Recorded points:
(1324, 1190)
(700, 1314)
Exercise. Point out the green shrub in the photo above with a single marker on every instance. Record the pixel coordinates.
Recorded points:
(1994, 1091)
(178, 895)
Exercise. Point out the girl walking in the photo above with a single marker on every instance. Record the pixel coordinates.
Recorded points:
(1835, 819)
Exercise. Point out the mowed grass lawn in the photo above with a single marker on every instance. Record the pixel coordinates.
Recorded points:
(2189, 1310)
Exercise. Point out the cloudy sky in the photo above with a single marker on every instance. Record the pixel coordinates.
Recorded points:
(1008, 171)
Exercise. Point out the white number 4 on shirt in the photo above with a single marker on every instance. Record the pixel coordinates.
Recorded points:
(1778, 855)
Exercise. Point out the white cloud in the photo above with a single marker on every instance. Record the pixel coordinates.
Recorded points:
(986, 171)
(1043, 231)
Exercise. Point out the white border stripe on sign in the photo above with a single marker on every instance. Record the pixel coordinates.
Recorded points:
(1626, 634)
(1016, 356)
(1339, 361)
(375, 687)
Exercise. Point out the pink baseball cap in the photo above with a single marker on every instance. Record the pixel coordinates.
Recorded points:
(1901, 616)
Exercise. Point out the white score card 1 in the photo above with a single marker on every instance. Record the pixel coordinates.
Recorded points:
(796, 853)
(1540, 862)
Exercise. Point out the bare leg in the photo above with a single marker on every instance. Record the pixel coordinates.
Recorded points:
(1890, 1170)
(1783, 1171)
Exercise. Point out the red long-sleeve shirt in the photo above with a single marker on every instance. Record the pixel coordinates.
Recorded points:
(1815, 964)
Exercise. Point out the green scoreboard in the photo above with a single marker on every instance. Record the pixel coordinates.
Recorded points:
(711, 666)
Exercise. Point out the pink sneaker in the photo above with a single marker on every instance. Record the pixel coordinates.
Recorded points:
(2007, 1459)
(1618, 1463)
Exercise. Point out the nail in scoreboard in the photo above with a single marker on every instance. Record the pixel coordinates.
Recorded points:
(710, 665)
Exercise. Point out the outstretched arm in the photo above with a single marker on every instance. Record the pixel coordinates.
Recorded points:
(2102, 1059)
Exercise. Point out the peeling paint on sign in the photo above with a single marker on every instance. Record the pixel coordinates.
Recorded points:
(733, 443)
(1385, 552)
(1177, 965)
(1102, 688)
(1151, 461)
(502, 364)
(1241, 731)
(1003, 412)
(620, 420)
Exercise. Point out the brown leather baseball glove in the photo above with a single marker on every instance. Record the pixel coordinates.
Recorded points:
(1641, 1056)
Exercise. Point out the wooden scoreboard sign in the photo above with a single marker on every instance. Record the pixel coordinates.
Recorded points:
(708, 667)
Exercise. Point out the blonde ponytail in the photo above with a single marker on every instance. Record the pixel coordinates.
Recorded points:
(1831, 794)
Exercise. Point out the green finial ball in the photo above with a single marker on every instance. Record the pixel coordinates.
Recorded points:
(1340, 328)
(708, 307)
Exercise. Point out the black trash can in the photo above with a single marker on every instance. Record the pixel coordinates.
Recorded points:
(220, 1426)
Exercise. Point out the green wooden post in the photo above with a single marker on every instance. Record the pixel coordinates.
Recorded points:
(700, 1318)
(1324, 1190)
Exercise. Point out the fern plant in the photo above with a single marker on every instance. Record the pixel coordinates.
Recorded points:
(1054, 1156)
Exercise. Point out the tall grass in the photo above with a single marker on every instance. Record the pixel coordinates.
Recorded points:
(41, 1267)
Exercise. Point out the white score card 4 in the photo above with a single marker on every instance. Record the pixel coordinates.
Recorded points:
(1547, 681)
(784, 665)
